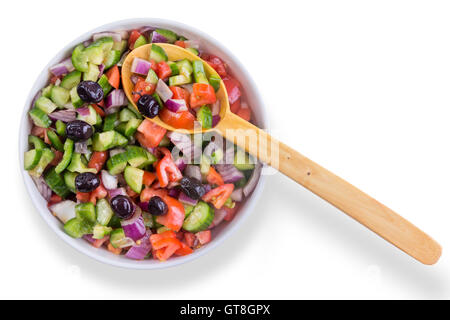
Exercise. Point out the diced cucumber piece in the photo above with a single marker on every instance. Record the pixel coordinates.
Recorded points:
(60, 96)
(199, 72)
(174, 68)
(78, 164)
(182, 38)
(55, 141)
(162, 229)
(60, 128)
(104, 83)
(36, 142)
(158, 54)
(46, 158)
(229, 203)
(45, 104)
(148, 219)
(185, 67)
(97, 51)
(193, 50)
(110, 121)
(118, 238)
(131, 127)
(204, 116)
(31, 158)
(200, 218)
(120, 46)
(107, 140)
(158, 99)
(243, 161)
(40, 118)
(112, 57)
(71, 80)
(117, 163)
(169, 35)
(86, 212)
(56, 183)
(152, 77)
(79, 58)
(136, 156)
(104, 212)
(75, 98)
(240, 183)
(92, 73)
(187, 210)
(214, 81)
(179, 80)
(91, 118)
(69, 180)
(99, 231)
(46, 92)
(140, 42)
(114, 222)
(121, 128)
(77, 228)
(150, 160)
(126, 114)
(67, 156)
(135, 111)
(99, 121)
(134, 178)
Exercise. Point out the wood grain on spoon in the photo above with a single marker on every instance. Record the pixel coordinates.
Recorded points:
(338, 192)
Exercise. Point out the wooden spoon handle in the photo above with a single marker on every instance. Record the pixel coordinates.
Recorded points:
(341, 194)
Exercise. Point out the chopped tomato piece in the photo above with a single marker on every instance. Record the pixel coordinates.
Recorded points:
(164, 245)
(46, 139)
(202, 93)
(54, 199)
(180, 93)
(163, 70)
(174, 217)
(148, 179)
(167, 171)
(99, 242)
(216, 63)
(184, 250)
(152, 134)
(235, 106)
(57, 158)
(54, 79)
(134, 35)
(131, 193)
(167, 252)
(178, 120)
(232, 86)
(189, 238)
(157, 237)
(99, 193)
(148, 193)
(231, 212)
(245, 113)
(101, 103)
(113, 76)
(99, 110)
(218, 196)
(38, 131)
(114, 250)
(142, 87)
(204, 236)
(180, 43)
(83, 196)
(214, 177)
(97, 160)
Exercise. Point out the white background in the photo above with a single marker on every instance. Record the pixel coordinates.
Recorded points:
(361, 87)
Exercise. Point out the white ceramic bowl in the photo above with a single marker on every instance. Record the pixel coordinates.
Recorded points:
(208, 44)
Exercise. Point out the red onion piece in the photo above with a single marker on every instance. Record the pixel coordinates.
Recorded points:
(146, 30)
(207, 188)
(81, 147)
(141, 249)
(115, 99)
(63, 115)
(186, 200)
(184, 143)
(109, 181)
(215, 120)
(193, 171)
(192, 44)
(117, 37)
(228, 156)
(158, 38)
(123, 34)
(163, 91)
(83, 111)
(101, 68)
(237, 195)
(122, 58)
(143, 205)
(219, 215)
(253, 181)
(188, 87)
(180, 164)
(215, 108)
(229, 173)
(63, 67)
(140, 66)
(89, 238)
(43, 188)
(116, 192)
(64, 210)
(87, 42)
(135, 230)
(134, 78)
(174, 193)
(176, 105)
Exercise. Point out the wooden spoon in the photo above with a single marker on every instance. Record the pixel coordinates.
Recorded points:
(341, 194)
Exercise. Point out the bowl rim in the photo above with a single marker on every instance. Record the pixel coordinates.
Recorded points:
(84, 247)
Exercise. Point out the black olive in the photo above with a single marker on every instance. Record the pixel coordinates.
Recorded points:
(192, 188)
(148, 106)
(122, 206)
(79, 130)
(157, 206)
(86, 182)
(90, 91)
